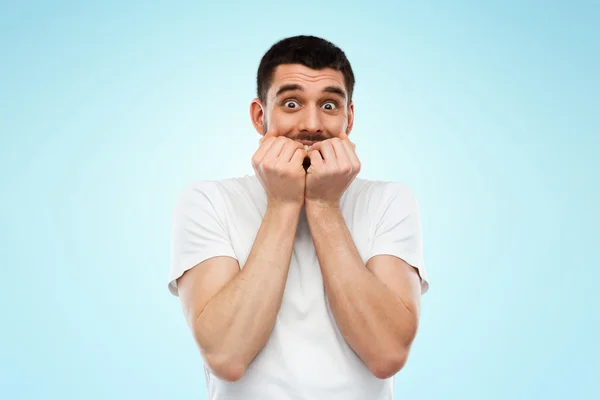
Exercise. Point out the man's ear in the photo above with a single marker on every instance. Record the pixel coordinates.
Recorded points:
(350, 118)
(257, 115)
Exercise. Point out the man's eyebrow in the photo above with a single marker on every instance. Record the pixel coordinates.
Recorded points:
(329, 89)
(288, 88)
(336, 90)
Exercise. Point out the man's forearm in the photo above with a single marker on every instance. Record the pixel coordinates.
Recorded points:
(237, 322)
(374, 322)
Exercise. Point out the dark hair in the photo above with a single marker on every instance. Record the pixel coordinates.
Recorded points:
(310, 51)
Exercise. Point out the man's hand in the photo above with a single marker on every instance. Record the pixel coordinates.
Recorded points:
(333, 166)
(278, 165)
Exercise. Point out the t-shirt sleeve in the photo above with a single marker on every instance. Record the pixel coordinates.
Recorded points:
(398, 229)
(198, 232)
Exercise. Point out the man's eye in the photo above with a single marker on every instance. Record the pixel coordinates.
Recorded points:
(329, 106)
(290, 104)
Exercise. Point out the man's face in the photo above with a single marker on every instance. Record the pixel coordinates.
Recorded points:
(304, 104)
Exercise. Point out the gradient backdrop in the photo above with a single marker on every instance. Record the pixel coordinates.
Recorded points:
(488, 112)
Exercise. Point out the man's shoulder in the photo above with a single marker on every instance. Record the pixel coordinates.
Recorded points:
(218, 189)
(380, 190)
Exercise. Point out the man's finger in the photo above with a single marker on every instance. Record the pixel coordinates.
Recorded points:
(341, 153)
(350, 148)
(327, 152)
(276, 148)
(344, 137)
(264, 144)
(315, 158)
(263, 148)
(351, 151)
(298, 157)
(270, 133)
(289, 151)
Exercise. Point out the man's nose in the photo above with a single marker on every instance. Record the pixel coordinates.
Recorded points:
(311, 121)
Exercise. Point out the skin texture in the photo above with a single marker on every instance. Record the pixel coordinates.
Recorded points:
(376, 306)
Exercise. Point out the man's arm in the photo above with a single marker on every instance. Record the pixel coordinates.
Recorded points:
(232, 312)
(378, 320)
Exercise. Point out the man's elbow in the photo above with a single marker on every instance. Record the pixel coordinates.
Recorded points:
(389, 365)
(222, 364)
(229, 369)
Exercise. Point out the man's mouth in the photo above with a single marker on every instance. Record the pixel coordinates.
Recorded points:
(307, 143)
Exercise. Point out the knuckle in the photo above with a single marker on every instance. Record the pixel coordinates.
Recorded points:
(346, 168)
(268, 165)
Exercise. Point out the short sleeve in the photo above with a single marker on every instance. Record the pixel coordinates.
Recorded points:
(198, 232)
(397, 230)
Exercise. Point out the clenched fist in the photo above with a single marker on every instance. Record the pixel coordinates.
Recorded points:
(333, 166)
(278, 163)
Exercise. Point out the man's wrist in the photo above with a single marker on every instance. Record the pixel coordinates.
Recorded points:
(279, 207)
(320, 207)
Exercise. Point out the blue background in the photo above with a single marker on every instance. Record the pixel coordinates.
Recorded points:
(488, 112)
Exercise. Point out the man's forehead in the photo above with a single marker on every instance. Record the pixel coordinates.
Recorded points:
(303, 76)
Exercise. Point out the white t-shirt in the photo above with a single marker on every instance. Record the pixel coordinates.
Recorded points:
(306, 356)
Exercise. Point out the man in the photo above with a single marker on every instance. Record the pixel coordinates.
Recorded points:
(302, 281)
